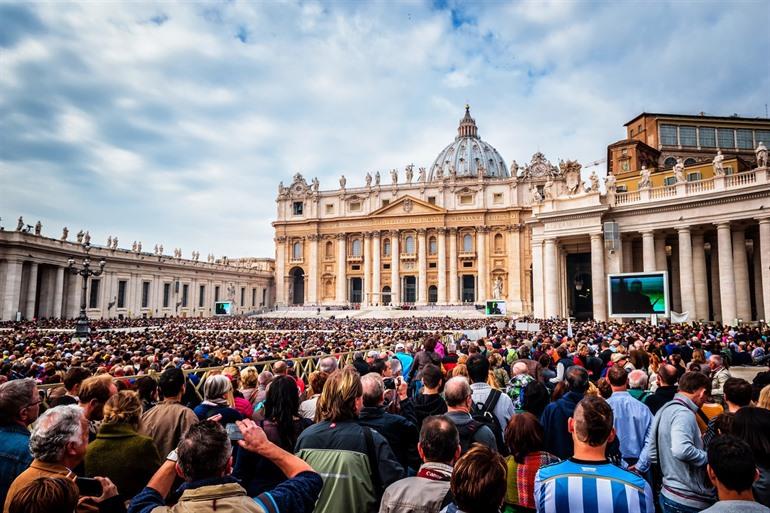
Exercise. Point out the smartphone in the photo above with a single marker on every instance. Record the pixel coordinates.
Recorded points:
(233, 432)
(88, 486)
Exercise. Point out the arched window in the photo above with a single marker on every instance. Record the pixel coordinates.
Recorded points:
(499, 243)
(385, 300)
(296, 251)
(669, 162)
(432, 294)
(329, 251)
(689, 162)
(386, 247)
(409, 245)
(467, 243)
(356, 248)
(432, 246)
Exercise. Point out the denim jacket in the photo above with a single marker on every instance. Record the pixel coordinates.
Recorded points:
(14, 455)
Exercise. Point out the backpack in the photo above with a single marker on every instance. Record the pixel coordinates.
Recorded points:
(484, 414)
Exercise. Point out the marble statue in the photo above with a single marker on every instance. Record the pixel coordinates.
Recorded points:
(377, 178)
(644, 178)
(421, 175)
(609, 183)
(65, 233)
(133, 247)
(87, 238)
(20, 224)
(343, 181)
(514, 168)
(440, 172)
(368, 179)
(160, 249)
(280, 187)
(548, 192)
(761, 153)
(594, 180)
(679, 171)
(409, 173)
(497, 290)
(394, 176)
(155, 250)
(571, 171)
(139, 247)
(535, 192)
(38, 228)
(718, 163)
(452, 172)
(114, 243)
(315, 185)
(80, 236)
(109, 241)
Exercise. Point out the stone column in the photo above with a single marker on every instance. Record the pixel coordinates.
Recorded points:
(376, 287)
(699, 277)
(726, 278)
(661, 262)
(514, 271)
(741, 266)
(686, 280)
(280, 275)
(454, 296)
(58, 295)
(628, 255)
(764, 255)
(441, 265)
(538, 306)
(676, 289)
(759, 301)
(481, 262)
(312, 278)
(12, 292)
(551, 272)
(422, 268)
(342, 265)
(648, 251)
(716, 300)
(598, 278)
(367, 269)
(395, 261)
(29, 311)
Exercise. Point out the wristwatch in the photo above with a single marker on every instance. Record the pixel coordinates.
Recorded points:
(172, 456)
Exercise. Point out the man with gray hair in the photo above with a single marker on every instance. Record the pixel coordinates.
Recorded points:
(19, 407)
(457, 393)
(719, 376)
(328, 364)
(58, 443)
(637, 384)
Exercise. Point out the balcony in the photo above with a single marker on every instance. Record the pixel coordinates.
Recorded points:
(355, 259)
(467, 255)
(295, 260)
(408, 256)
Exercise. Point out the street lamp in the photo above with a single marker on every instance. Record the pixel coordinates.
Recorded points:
(82, 328)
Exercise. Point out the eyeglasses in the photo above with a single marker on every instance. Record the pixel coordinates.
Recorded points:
(30, 405)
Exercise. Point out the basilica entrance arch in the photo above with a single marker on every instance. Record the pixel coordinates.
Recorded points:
(298, 286)
(468, 288)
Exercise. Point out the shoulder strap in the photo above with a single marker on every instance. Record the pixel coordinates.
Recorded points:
(703, 416)
(371, 454)
(469, 429)
(491, 402)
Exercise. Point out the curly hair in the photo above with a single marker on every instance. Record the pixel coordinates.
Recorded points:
(54, 430)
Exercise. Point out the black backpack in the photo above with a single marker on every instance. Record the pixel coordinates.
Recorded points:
(483, 414)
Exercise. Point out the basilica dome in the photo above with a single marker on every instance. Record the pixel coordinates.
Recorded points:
(468, 154)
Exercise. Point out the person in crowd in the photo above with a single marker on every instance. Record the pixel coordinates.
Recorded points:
(709, 410)
(359, 363)
(517, 386)
(147, 389)
(19, 408)
(263, 381)
(637, 385)
(405, 358)
(249, 383)
(763, 401)
(429, 402)
(632, 419)
(457, 393)
(240, 403)
(93, 395)
(719, 376)
(752, 425)
(536, 398)
(168, 420)
(282, 424)
(218, 400)
(498, 377)
(666, 379)
(401, 430)
(345, 451)
(524, 438)
(119, 452)
(737, 394)
(316, 380)
(58, 444)
(563, 363)
(492, 400)
(450, 359)
(427, 355)
(478, 482)
(428, 491)
(73, 378)
(675, 444)
(46, 495)
(732, 470)
(204, 461)
(558, 440)
(560, 487)
(328, 364)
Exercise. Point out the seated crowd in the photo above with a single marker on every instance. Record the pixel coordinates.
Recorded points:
(394, 417)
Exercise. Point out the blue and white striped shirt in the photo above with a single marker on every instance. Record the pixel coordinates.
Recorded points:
(575, 486)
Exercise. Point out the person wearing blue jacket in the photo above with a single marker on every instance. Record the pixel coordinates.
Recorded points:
(558, 440)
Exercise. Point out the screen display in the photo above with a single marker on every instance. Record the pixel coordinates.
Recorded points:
(495, 308)
(638, 294)
(223, 308)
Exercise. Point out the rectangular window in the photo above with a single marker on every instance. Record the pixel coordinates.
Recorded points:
(145, 294)
(216, 293)
(329, 208)
(726, 137)
(122, 293)
(93, 297)
(693, 177)
(355, 206)
(497, 197)
(386, 266)
(728, 170)
(708, 137)
(466, 199)
(745, 139)
(185, 294)
(355, 267)
(432, 265)
(621, 188)
(385, 203)
(669, 180)
(298, 208)
(201, 296)
(243, 296)
(762, 136)
(253, 297)
(668, 135)
(166, 295)
(687, 136)
(432, 200)
(467, 264)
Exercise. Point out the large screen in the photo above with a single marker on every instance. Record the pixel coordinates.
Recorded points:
(495, 307)
(223, 308)
(638, 294)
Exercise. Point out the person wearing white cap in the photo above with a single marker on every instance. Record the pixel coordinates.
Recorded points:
(405, 358)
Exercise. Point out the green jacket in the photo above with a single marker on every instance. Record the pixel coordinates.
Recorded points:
(126, 457)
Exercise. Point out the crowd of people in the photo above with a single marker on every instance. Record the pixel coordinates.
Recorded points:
(397, 415)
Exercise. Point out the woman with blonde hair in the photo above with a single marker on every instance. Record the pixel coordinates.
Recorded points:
(218, 400)
(240, 403)
(764, 398)
(119, 452)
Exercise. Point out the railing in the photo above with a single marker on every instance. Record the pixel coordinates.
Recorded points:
(665, 191)
(627, 197)
(739, 179)
(700, 186)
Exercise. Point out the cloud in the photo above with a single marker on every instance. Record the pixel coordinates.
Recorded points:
(174, 122)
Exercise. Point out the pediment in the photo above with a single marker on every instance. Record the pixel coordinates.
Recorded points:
(408, 205)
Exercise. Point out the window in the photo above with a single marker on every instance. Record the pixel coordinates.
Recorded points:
(216, 293)
(468, 263)
(432, 246)
(467, 243)
(296, 251)
(253, 297)
(621, 188)
(409, 245)
(386, 266)
(145, 294)
(498, 243)
(687, 136)
(745, 139)
(728, 170)
(298, 208)
(726, 137)
(466, 199)
(385, 203)
(329, 251)
(355, 248)
(708, 137)
(431, 265)
(243, 296)
(669, 180)
(122, 293)
(762, 136)
(432, 200)
(185, 294)
(166, 295)
(432, 294)
(386, 247)
(689, 162)
(355, 267)
(329, 208)
(201, 296)
(93, 297)
(693, 177)
(355, 206)
(668, 135)
(669, 162)
(497, 198)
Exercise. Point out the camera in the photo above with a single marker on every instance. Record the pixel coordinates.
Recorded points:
(390, 383)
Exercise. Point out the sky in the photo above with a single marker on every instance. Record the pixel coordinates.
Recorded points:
(173, 123)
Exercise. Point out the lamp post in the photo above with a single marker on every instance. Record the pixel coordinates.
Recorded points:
(82, 328)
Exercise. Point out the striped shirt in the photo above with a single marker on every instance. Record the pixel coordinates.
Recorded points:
(576, 486)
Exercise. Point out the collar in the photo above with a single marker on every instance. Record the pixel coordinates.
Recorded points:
(372, 411)
(15, 428)
(586, 462)
(211, 481)
(435, 471)
(52, 468)
(685, 401)
(116, 431)
(480, 386)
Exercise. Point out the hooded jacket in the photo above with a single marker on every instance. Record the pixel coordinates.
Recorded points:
(558, 441)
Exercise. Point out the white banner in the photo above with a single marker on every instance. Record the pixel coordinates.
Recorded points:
(527, 326)
(679, 317)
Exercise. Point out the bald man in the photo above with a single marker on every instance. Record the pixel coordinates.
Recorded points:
(457, 393)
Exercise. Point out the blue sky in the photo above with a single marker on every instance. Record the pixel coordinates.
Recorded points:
(172, 123)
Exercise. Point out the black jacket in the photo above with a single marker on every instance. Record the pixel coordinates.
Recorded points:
(426, 405)
(400, 431)
(661, 396)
